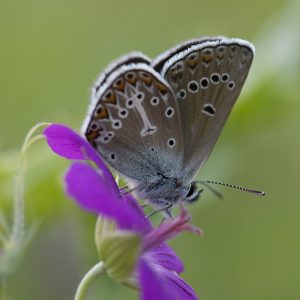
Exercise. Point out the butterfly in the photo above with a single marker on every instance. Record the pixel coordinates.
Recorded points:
(156, 121)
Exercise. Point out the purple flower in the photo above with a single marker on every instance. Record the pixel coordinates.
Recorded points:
(157, 267)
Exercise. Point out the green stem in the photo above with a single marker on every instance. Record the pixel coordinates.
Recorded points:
(89, 278)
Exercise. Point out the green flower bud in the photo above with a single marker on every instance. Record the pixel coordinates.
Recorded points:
(118, 249)
(103, 227)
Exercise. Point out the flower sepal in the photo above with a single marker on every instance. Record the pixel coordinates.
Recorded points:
(104, 226)
(118, 249)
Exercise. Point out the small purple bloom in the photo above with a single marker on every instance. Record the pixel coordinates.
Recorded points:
(157, 267)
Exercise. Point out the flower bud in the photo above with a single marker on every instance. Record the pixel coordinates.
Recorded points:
(118, 249)
(104, 226)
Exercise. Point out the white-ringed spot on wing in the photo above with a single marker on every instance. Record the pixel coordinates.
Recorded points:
(129, 76)
(171, 142)
(225, 77)
(129, 103)
(193, 86)
(116, 124)
(106, 137)
(231, 85)
(204, 83)
(215, 78)
(123, 113)
(169, 112)
(154, 101)
(94, 126)
(181, 94)
(209, 109)
(140, 96)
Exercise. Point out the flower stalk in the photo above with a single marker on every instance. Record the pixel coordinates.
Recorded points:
(88, 279)
(12, 236)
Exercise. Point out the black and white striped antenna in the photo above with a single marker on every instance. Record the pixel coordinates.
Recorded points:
(251, 191)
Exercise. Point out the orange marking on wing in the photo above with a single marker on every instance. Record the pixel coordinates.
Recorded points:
(207, 55)
(101, 112)
(192, 60)
(92, 135)
(109, 97)
(131, 78)
(119, 84)
(146, 78)
(161, 87)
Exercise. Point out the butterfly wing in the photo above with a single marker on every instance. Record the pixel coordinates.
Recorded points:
(207, 78)
(134, 122)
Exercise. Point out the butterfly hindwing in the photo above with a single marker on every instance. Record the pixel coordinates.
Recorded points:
(207, 78)
(134, 121)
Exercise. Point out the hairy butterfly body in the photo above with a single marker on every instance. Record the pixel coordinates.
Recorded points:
(156, 122)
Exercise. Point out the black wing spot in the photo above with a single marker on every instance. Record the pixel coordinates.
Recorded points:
(209, 109)
(204, 82)
(193, 86)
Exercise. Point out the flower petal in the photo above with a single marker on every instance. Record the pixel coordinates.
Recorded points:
(159, 283)
(89, 189)
(69, 144)
(163, 255)
(151, 287)
(177, 286)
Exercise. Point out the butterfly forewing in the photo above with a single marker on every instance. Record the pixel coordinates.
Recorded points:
(134, 122)
(207, 79)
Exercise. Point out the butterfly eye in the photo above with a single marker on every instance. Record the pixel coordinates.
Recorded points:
(191, 190)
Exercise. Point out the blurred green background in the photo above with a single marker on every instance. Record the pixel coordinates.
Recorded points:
(51, 51)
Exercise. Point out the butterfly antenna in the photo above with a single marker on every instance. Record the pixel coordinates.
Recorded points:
(255, 192)
(214, 191)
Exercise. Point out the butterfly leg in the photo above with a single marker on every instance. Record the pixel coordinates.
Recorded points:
(166, 210)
